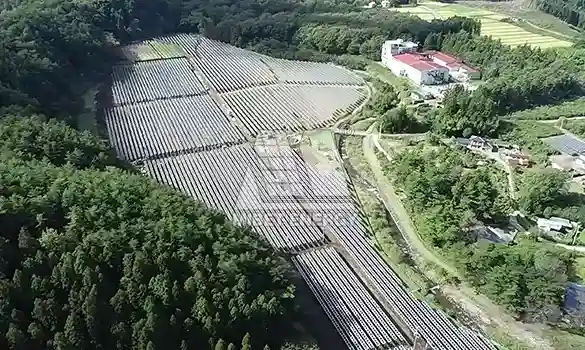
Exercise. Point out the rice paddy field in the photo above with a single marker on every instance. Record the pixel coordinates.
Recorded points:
(491, 24)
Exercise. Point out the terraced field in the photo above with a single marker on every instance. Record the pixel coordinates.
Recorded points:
(491, 24)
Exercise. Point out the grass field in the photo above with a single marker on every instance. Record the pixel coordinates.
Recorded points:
(491, 24)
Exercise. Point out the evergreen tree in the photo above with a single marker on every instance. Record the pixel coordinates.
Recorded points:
(246, 343)
(220, 345)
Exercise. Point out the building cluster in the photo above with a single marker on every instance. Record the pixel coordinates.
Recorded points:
(429, 68)
(510, 154)
(383, 4)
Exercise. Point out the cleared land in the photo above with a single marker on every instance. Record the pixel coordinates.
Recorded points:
(491, 24)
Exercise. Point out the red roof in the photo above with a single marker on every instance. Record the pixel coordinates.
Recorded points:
(444, 57)
(417, 61)
(451, 61)
(469, 68)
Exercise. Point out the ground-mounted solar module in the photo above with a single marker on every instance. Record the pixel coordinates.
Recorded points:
(291, 107)
(360, 320)
(226, 67)
(566, 144)
(229, 68)
(312, 73)
(191, 143)
(231, 180)
(169, 127)
(154, 80)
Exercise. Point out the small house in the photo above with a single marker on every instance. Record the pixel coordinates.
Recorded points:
(480, 144)
(493, 234)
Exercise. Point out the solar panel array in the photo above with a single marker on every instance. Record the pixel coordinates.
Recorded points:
(311, 72)
(169, 127)
(220, 180)
(566, 144)
(353, 310)
(230, 68)
(226, 67)
(231, 180)
(187, 141)
(153, 80)
(291, 107)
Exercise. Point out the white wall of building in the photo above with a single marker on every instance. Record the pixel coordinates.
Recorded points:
(431, 76)
(395, 47)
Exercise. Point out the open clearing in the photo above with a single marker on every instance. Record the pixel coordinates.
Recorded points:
(491, 24)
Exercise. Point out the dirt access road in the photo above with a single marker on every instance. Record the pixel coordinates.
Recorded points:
(478, 306)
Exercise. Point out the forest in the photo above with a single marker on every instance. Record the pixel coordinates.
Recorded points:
(516, 79)
(95, 257)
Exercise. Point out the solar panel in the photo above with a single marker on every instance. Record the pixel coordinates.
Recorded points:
(566, 144)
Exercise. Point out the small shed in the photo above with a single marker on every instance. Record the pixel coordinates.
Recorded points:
(555, 224)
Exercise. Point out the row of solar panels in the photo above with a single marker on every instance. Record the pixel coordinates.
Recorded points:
(229, 68)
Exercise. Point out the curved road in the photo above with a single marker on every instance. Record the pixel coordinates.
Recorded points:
(478, 305)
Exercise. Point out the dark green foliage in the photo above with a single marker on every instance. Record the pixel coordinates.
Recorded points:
(446, 194)
(567, 109)
(576, 126)
(519, 78)
(570, 11)
(540, 188)
(466, 114)
(107, 260)
(50, 49)
(529, 279)
(399, 120)
(385, 98)
(34, 138)
(364, 32)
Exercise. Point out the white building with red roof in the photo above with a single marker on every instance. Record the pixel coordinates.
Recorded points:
(428, 68)
(419, 68)
(457, 68)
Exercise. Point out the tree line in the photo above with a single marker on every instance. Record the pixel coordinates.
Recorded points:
(49, 49)
(569, 11)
